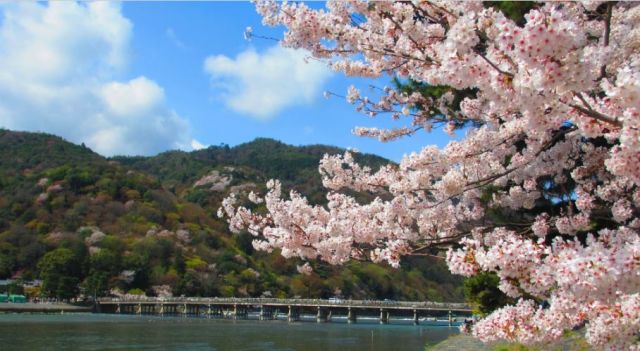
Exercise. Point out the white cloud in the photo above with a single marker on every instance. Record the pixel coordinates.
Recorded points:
(263, 84)
(196, 145)
(60, 62)
(133, 98)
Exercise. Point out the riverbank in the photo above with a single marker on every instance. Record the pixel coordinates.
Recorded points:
(42, 307)
(572, 341)
(459, 342)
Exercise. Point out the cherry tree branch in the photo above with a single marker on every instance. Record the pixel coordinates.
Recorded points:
(607, 33)
(597, 115)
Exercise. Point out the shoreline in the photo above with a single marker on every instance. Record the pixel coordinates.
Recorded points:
(42, 308)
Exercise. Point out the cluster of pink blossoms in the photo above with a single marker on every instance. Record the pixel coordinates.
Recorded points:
(557, 103)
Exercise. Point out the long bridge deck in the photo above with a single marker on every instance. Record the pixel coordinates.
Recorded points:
(291, 309)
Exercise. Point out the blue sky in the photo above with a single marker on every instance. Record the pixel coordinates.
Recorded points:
(144, 77)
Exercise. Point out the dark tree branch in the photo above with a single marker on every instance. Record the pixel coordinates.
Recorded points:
(607, 33)
(597, 115)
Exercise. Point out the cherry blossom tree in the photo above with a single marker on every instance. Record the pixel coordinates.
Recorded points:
(543, 190)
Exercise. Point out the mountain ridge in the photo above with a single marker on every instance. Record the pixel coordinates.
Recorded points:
(147, 224)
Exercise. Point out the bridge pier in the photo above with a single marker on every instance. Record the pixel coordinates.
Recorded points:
(294, 314)
(118, 310)
(266, 313)
(215, 312)
(240, 312)
(351, 316)
(416, 321)
(450, 319)
(321, 317)
(384, 316)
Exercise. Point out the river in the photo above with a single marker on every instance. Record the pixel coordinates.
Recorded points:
(129, 332)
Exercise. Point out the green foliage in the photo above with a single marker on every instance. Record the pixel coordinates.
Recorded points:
(481, 291)
(196, 263)
(514, 10)
(7, 264)
(96, 284)
(179, 263)
(244, 242)
(410, 86)
(60, 272)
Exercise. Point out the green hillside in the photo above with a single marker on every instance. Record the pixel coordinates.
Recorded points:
(147, 224)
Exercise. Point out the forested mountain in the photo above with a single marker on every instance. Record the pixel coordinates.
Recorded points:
(147, 224)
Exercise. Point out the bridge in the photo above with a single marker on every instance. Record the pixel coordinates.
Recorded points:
(291, 310)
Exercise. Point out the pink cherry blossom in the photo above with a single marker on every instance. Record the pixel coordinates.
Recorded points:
(554, 148)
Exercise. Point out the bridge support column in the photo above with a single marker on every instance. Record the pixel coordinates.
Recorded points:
(266, 313)
(161, 311)
(351, 316)
(416, 321)
(294, 314)
(139, 309)
(450, 319)
(240, 312)
(118, 310)
(384, 316)
(321, 317)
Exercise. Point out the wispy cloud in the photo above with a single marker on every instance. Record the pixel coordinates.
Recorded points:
(263, 84)
(170, 33)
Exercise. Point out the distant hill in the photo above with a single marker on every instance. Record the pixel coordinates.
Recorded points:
(148, 224)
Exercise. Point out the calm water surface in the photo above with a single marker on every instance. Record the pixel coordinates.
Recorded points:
(126, 332)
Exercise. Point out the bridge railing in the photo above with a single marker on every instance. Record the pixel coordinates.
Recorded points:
(306, 302)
